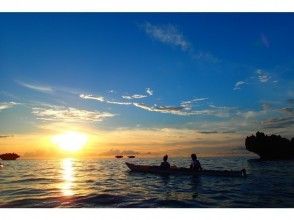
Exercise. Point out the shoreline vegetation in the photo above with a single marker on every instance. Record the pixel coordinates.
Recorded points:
(273, 147)
(9, 156)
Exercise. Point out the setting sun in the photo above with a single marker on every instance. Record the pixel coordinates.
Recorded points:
(70, 141)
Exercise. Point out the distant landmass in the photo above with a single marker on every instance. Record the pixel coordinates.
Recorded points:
(9, 156)
(273, 147)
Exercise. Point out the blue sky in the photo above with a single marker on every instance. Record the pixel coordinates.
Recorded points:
(206, 72)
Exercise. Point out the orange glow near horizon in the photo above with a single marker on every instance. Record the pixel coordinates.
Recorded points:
(70, 141)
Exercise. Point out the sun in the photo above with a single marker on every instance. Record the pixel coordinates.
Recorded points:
(70, 141)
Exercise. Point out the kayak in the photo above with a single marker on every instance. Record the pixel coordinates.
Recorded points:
(185, 171)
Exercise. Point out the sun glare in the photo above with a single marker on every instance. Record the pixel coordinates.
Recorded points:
(70, 141)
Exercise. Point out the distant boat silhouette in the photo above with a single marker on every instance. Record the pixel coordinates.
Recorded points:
(131, 156)
(273, 147)
(119, 156)
(9, 156)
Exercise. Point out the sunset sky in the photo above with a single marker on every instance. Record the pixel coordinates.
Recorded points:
(144, 84)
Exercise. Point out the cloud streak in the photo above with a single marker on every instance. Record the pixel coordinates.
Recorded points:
(264, 40)
(6, 136)
(136, 96)
(39, 88)
(102, 99)
(97, 98)
(61, 113)
(238, 85)
(262, 76)
(187, 105)
(167, 34)
(206, 56)
(177, 110)
(184, 109)
(280, 122)
(149, 92)
(7, 105)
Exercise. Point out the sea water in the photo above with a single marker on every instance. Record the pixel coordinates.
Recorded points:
(108, 183)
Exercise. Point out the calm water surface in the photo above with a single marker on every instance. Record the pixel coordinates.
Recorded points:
(108, 183)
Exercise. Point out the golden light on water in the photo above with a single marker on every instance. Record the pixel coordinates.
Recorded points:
(70, 141)
(68, 177)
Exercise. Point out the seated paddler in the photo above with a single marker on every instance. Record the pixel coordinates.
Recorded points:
(195, 164)
(165, 164)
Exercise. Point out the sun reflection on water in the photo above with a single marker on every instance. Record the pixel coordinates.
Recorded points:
(68, 177)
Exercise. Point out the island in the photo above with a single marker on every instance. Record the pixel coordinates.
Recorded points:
(9, 156)
(270, 147)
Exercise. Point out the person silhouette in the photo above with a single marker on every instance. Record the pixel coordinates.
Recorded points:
(195, 164)
(165, 164)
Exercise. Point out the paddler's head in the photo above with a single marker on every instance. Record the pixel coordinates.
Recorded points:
(193, 156)
(165, 158)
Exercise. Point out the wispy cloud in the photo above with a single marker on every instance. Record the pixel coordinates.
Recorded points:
(97, 98)
(119, 103)
(208, 132)
(168, 34)
(149, 92)
(264, 40)
(7, 105)
(279, 122)
(6, 136)
(39, 88)
(61, 113)
(262, 76)
(177, 110)
(266, 106)
(102, 99)
(288, 110)
(205, 56)
(282, 119)
(171, 35)
(183, 111)
(238, 85)
(188, 104)
(136, 96)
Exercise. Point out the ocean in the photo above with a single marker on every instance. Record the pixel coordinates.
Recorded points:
(108, 183)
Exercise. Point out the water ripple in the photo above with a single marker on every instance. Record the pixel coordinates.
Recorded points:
(108, 183)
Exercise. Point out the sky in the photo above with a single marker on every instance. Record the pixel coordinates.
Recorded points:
(145, 83)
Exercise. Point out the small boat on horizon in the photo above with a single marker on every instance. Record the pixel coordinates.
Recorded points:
(9, 156)
(131, 156)
(119, 156)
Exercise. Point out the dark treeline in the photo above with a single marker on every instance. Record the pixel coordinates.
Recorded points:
(270, 147)
(9, 156)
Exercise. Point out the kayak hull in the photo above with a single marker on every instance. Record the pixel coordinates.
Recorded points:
(184, 171)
